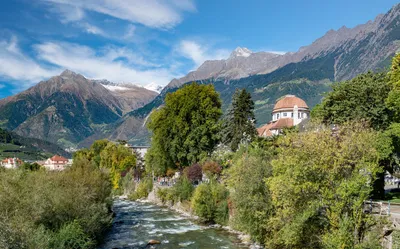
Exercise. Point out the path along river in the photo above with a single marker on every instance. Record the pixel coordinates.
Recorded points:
(136, 223)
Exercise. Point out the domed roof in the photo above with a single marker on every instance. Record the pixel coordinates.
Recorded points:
(289, 101)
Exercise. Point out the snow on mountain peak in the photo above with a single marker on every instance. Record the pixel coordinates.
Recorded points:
(154, 87)
(244, 52)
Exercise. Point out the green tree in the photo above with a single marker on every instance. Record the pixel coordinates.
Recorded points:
(393, 99)
(360, 99)
(251, 199)
(239, 123)
(319, 186)
(186, 129)
(210, 202)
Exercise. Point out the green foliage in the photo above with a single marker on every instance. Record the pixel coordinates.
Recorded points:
(41, 209)
(30, 166)
(117, 159)
(318, 187)
(251, 198)
(186, 129)
(210, 202)
(239, 125)
(360, 99)
(13, 145)
(143, 189)
(393, 99)
(183, 189)
(70, 236)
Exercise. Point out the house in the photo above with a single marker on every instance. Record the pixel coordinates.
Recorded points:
(11, 163)
(140, 150)
(56, 163)
(288, 111)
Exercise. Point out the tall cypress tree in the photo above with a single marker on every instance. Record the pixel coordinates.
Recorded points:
(239, 123)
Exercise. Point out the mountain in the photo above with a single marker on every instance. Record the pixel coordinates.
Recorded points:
(365, 47)
(68, 108)
(308, 73)
(12, 145)
(71, 110)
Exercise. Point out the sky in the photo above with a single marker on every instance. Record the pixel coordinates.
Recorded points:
(150, 42)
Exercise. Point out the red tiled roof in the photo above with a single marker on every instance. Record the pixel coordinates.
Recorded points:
(289, 101)
(282, 123)
(57, 158)
(265, 130)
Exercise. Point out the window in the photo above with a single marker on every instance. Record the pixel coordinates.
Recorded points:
(299, 115)
(284, 114)
(277, 116)
(292, 114)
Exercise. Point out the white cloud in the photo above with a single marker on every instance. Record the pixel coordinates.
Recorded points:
(91, 29)
(15, 66)
(151, 13)
(276, 52)
(68, 13)
(200, 53)
(86, 61)
(130, 31)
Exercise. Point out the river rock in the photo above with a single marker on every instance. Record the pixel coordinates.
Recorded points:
(153, 242)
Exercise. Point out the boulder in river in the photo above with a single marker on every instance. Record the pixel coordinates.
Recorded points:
(153, 242)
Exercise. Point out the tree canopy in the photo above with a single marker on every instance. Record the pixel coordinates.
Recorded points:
(362, 98)
(239, 123)
(186, 129)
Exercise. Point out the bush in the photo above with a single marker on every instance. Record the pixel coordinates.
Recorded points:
(209, 202)
(70, 209)
(211, 168)
(183, 189)
(71, 236)
(194, 173)
(143, 189)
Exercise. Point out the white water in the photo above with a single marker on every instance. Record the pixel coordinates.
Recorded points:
(137, 223)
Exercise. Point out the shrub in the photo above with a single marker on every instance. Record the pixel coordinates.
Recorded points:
(211, 168)
(143, 189)
(183, 189)
(194, 173)
(41, 209)
(209, 202)
(170, 172)
(71, 235)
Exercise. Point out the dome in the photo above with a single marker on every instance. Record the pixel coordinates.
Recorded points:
(288, 102)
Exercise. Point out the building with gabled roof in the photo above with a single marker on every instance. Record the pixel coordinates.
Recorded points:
(288, 111)
(56, 163)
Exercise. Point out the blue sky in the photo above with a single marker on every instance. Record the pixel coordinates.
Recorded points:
(153, 41)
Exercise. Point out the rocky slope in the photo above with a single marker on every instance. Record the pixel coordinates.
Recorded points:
(68, 108)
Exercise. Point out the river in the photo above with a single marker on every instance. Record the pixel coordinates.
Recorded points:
(136, 223)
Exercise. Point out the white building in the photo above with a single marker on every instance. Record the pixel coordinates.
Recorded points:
(56, 163)
(11, 163)
(288, 111)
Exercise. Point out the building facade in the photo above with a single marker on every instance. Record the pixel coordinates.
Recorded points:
(288, 111)
(56, 163)
(11, 163)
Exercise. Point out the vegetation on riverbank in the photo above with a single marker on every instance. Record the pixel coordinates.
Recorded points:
(41, 209)
(303, 189)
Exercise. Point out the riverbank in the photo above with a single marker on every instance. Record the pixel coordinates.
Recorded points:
(184, 209)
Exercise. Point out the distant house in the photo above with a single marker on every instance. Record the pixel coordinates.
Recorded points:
(141, 150)
(11, 163)
(56, 163)
(288, 111)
